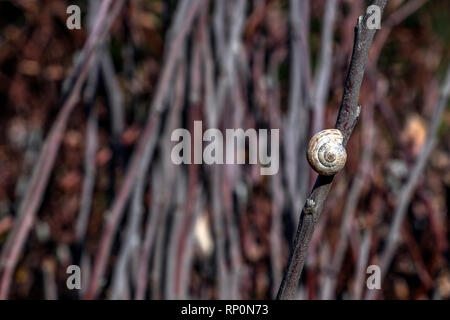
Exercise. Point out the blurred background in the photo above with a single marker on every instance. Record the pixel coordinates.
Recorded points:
(86, 177)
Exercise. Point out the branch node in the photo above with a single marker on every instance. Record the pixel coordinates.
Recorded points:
(310, 206)
(358, 111)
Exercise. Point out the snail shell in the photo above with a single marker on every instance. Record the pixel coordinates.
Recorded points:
(325, 153)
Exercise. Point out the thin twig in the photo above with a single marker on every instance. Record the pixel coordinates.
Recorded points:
(346, 121)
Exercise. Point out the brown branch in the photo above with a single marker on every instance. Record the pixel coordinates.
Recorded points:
(346, 121)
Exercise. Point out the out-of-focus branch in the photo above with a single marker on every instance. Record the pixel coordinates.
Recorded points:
(115, 99)
(278, 197)
(362, 264)
(407, 191)
(228, 58)
(322, 77)
(179, 203)
(91, 140)
(120, 288)
(346, 121)
(89, 179)
(294, 125)
(183, 221)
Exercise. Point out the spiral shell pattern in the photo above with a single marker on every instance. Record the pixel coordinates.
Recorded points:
(325, 153)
